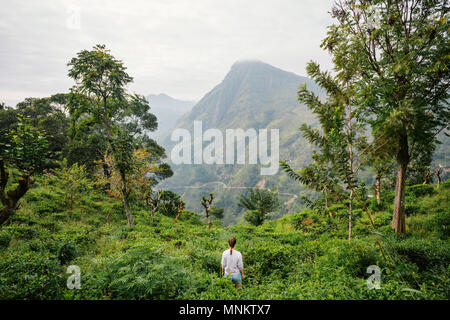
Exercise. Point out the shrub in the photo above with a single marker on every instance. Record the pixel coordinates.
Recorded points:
(412, 206)
(208, 261)
(352, 257)
(29, 275)
(420, 190)
(442, 224)
(141, 273)
(5, 238)
(46, 201)
(445, 185)
(169, 203)
(67, 252)
(423, 253)
(270, 259)
(25, 232)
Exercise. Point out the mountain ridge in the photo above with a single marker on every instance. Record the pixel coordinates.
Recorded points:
(253, 94)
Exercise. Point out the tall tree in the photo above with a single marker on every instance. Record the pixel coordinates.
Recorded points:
(342, 143)
(99, 104)
(403, 53)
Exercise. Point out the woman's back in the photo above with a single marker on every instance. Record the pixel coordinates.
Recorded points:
(232, 261)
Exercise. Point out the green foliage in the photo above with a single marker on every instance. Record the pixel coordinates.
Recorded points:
(46, 201)
(271, 260)
(74, 180)
(402, 94)
(5, 238)
(217, 212)
(299, 256)
(259, 203)
(420, 190)
(67, 252)
(169, 203)
(141, 273)
(47, 114)
(27, 147)
(26, 275)
(424, 253)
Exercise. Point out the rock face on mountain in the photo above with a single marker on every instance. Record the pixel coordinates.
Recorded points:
(252, 95)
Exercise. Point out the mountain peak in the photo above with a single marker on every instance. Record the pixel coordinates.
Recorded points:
(252, 65)
(245, 69)
(243, 63)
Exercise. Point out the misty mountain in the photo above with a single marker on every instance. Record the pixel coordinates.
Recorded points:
(252, 95)
(168, 110)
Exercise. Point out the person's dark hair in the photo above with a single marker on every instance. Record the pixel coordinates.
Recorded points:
(232, 242)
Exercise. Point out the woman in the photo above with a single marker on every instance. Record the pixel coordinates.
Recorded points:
(232, 266)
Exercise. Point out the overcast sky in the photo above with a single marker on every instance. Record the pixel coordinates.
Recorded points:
(181, 48)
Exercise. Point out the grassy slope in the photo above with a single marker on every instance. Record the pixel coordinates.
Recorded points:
(300, 256)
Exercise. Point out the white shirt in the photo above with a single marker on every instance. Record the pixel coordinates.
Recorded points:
(232, 263)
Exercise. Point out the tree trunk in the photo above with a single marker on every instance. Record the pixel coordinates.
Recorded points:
(378, 188)
(326, 200)
(427, 177)
(12, 197)
(438, 176)
(398, 219)
(5, 213)
(125, 202)
(128, 212)
(209, 219)
(107, 174)
(350, 216)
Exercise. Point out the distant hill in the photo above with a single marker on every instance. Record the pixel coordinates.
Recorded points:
(168, 110)
(252, 95)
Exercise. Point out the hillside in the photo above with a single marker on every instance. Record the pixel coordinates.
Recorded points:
(252, 95)
(300, 256)
(256, 95)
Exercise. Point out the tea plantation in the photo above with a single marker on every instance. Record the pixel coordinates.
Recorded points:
(301, 256)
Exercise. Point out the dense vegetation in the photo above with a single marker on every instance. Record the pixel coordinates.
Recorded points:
(300, 256)
(75, 166)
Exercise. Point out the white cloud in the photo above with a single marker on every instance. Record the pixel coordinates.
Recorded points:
(182, 48)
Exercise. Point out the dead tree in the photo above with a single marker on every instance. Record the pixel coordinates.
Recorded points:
(437, 171)
(179, 209)
(153, 203)
(207, 204)
(427, 177)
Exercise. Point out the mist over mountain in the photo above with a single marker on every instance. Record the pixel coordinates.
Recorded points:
(168, 110)
(252, 95)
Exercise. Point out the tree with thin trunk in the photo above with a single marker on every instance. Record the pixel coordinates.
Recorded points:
(179, 210)
(383, 166)
(342, 143)
(402, 51)
(437, 172)
(153, 200)
(427, 176)
(206, 203)
(99, 100)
